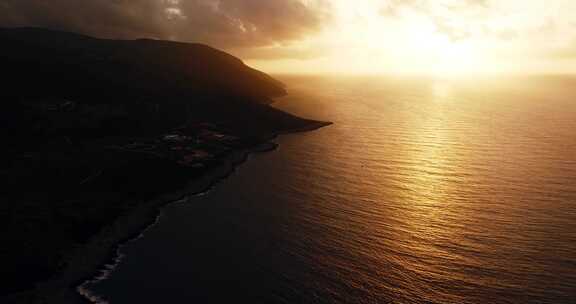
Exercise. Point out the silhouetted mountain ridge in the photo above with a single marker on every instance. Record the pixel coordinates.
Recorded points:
(67, 64)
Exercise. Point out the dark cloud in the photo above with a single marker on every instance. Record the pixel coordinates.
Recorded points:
(106, 18)
(221, 23)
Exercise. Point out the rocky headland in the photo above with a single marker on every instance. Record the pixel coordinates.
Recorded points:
(99, 134)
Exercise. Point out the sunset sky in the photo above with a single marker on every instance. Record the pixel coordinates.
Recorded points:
(440, 37)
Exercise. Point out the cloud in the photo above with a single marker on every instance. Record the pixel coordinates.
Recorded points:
(444, 15)
(393, 8)
(221, 23)
(281, 52)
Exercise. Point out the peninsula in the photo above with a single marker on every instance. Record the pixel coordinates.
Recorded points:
(95, 130)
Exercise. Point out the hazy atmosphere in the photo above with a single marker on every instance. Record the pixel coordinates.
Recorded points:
(288, 151)
(314, 36)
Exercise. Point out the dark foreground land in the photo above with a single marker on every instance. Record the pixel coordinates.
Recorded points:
(93, 128)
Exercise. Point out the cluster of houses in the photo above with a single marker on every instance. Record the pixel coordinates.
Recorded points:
(192, 146)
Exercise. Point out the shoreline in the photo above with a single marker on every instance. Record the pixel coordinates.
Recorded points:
(98, 258)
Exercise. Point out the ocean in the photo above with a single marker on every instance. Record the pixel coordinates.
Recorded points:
(423, 191)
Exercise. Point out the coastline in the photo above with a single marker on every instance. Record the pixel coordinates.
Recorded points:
(94, 151)
(95, 260)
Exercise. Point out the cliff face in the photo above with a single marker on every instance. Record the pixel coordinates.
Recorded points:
(67, 65)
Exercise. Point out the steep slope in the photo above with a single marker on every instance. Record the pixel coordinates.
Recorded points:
(65, 64)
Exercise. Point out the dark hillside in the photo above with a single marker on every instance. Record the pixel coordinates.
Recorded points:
(92, 128)
(64, 64)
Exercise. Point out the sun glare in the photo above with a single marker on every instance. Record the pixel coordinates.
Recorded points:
(436, 53)
(414, 47)
(362, 41)
(445, 38)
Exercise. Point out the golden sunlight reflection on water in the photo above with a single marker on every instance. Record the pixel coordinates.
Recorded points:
(423, 191)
